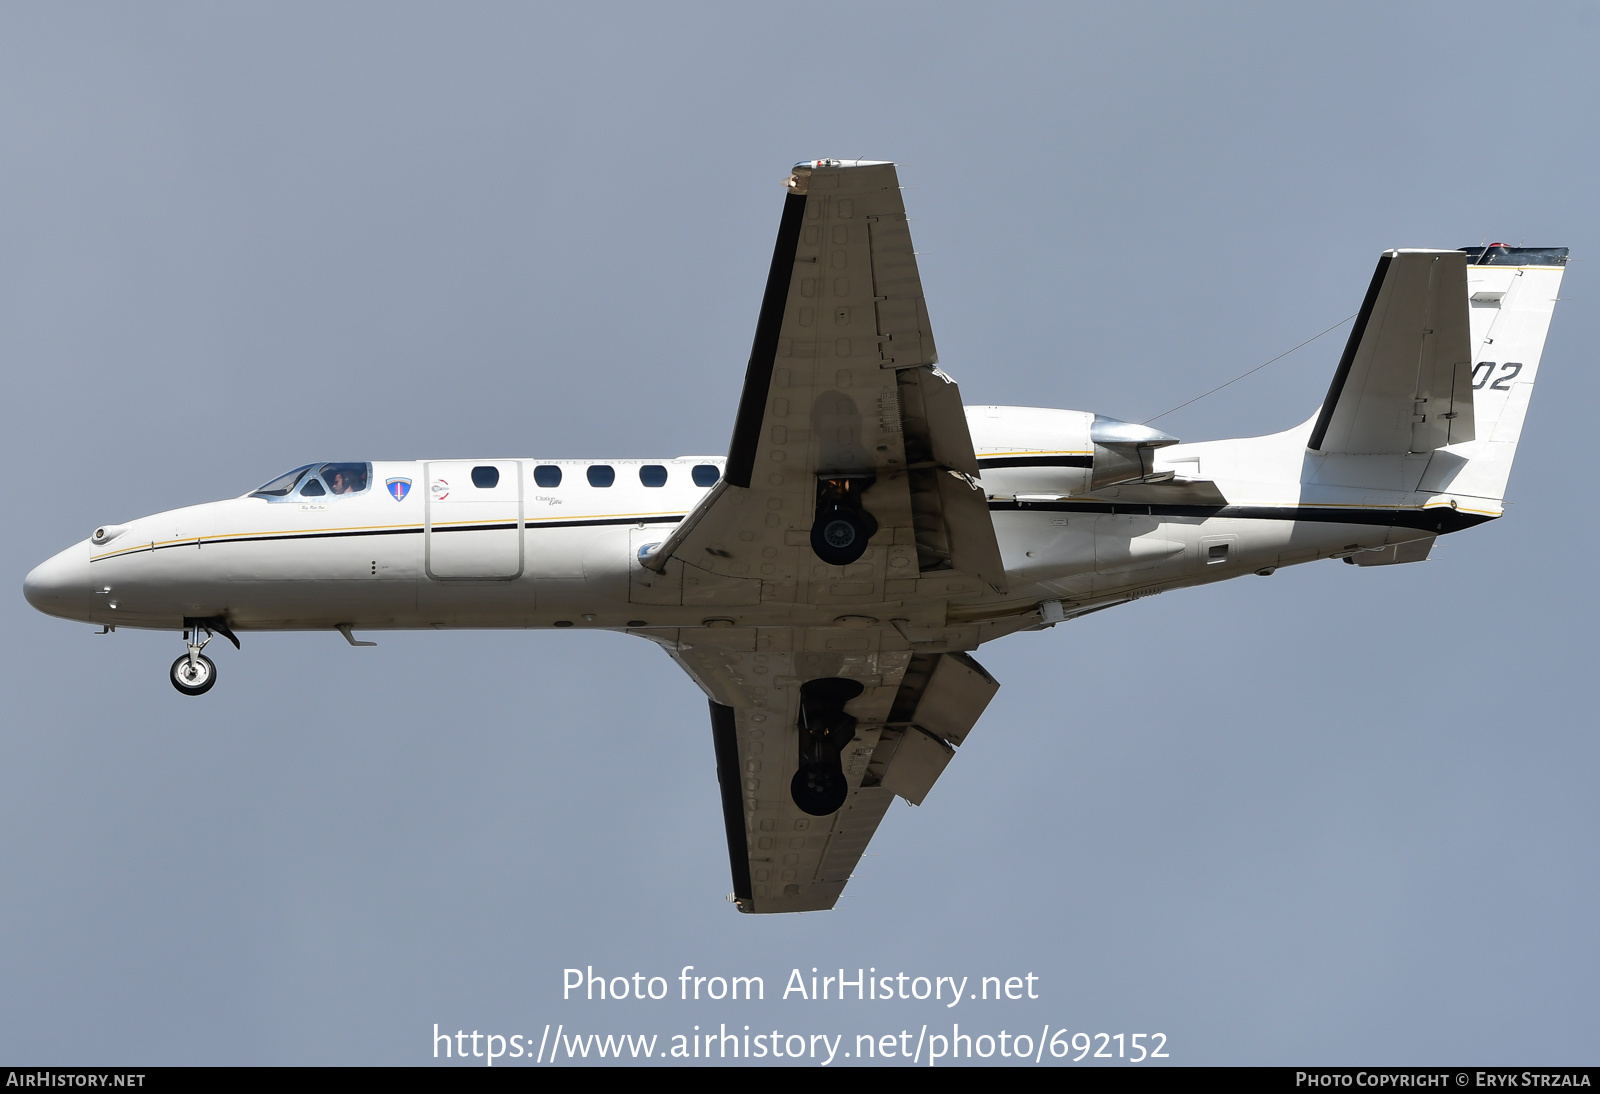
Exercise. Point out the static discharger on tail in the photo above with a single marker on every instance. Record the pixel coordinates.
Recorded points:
(825, 583)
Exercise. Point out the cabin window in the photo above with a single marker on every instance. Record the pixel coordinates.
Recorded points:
(653, 474)
(547, 475)
(705, 474)
(345, 478)
(602, 474)
(280, 486)
(486, 478)
(312, 488)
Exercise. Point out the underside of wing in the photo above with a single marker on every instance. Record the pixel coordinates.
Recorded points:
(849, 512)
(851, 476)
(906, 716)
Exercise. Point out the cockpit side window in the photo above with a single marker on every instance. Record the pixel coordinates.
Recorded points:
(312, 488)
(280, 486)
(344, 478)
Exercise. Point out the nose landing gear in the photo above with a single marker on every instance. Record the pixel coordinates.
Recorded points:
(194, 673)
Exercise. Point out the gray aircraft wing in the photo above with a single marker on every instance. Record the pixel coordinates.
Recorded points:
(842, 388)
(914, 711)
(842, 399)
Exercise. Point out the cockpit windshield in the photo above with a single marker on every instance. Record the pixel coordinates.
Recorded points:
(280, 486)
(315, 481)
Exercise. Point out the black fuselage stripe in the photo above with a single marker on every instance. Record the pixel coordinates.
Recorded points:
(986, 462)
(411, 531)
(1342, 373)
(1437, 519)
(764, 352)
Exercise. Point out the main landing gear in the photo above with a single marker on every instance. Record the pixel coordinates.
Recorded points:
(194, 673)
(819, 787)
(842, 527)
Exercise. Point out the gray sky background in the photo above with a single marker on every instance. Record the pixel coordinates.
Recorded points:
(1341, 815)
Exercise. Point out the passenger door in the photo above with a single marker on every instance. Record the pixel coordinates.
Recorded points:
(474, 520)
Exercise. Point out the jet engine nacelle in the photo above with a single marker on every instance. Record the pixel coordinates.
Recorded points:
(1024, 450)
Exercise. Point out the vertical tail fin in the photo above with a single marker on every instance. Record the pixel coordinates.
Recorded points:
(1404, 382)
(1511, 294)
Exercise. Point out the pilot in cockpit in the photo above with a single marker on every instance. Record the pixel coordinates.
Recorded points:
(345, 479)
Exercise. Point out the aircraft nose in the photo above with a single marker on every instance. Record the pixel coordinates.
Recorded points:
(60, 585)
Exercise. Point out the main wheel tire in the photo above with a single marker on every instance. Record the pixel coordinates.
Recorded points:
(193, 678)
(839, 537)
(819, 791)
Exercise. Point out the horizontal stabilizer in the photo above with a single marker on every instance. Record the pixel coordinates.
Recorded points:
(1404, 383)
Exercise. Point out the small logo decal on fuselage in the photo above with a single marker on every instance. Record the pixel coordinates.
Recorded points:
(399, 488)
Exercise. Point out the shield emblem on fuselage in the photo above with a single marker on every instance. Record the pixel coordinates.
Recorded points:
(399, 488)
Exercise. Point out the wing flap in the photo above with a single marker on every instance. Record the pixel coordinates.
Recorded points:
(934, 422)
(941, 697)
(919, 759)
(970, 529)
(957, 693)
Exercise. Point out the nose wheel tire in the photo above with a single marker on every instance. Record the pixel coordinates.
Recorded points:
(193, 677)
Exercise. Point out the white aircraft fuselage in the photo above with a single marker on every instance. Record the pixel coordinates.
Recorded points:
(451, 554)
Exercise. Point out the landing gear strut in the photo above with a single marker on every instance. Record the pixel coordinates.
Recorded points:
(842, 527)
(194, 673)
(819, 786)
